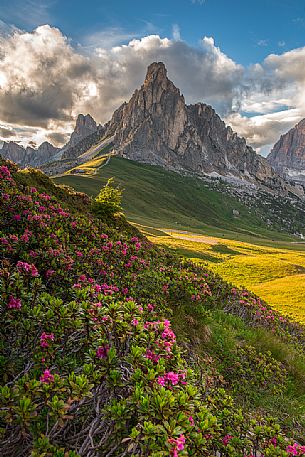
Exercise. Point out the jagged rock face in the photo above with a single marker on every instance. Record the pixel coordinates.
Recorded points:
(45, 153)
(85, 127)
(288, 154)
(29, 156)
(84, 144)
(157, 127)
(13, 151)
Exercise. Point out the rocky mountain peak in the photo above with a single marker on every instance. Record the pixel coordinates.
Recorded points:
(84, 127)
(155, 71)
(288, 154)
(85, 121)
(157, 127)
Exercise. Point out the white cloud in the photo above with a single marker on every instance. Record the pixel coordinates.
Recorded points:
(176, 32)
(263, 130)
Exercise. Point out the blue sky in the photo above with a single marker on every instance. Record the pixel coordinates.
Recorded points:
(246, 30)
(58, 58)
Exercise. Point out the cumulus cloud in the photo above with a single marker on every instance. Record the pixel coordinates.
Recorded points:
(45, 82)
(263, 130)
(41, 77)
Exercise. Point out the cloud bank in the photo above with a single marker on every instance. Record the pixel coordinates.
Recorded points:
(45, 82)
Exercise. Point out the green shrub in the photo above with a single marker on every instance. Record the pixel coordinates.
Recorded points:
(109, 200)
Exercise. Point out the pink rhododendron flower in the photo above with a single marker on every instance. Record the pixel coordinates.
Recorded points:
(14, 303)
(152, 356)
(47, 377)
(134, 322)
(227, 439)
(273, 441)
(49, 273)
(24, 267)
(161, 380)
(102, 351)
(173, 378)
(45, 338)
(178, 445)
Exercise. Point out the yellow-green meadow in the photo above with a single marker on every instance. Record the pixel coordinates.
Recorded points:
(277, 274)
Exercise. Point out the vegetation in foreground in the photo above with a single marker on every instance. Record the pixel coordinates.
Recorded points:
(111, 346)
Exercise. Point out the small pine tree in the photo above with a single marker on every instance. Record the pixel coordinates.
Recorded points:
(109, 200)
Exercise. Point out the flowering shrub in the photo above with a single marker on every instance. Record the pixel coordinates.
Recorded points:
(90, 364)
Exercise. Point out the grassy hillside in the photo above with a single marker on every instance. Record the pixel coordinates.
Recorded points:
(158, 198)
(111, 346)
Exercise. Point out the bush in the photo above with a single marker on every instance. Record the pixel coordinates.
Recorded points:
(109, 200)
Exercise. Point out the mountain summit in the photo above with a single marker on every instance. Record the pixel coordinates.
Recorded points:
(157, 127)
(288, 154)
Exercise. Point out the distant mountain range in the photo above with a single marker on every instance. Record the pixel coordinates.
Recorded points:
(29, 156)
(157, 127)
(46, 152)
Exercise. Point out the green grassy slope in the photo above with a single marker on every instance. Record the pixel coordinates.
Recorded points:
(159, 198)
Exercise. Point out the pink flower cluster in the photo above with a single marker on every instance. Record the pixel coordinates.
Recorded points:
(24, 267)
(102, 351)
(227, 439)
(295, 449)
(171, 379)
(152, 356)
(45, 339)
(47, 377)
(178, 445)
(5, 173)
(14, 303)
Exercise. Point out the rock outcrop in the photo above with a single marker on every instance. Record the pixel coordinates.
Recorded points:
(288, 154)
(85, 134)
(85, 125)
(13, 151)
(157, 127)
